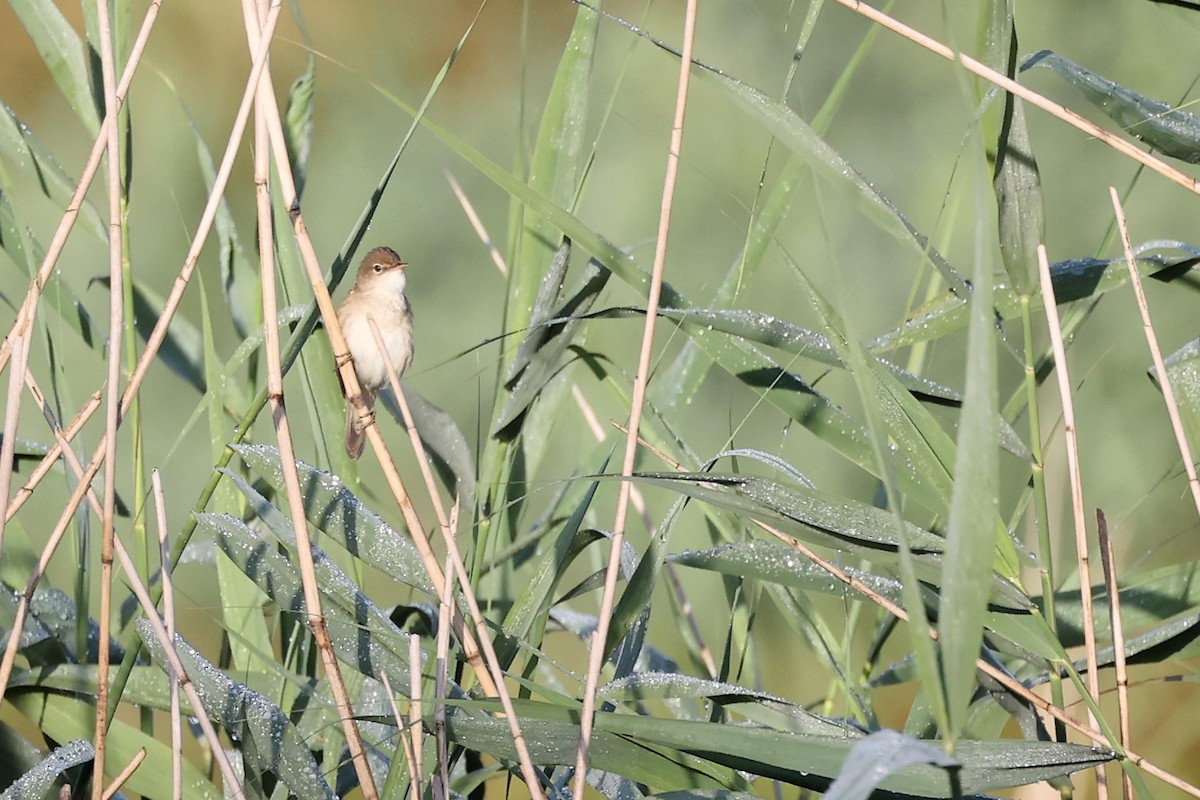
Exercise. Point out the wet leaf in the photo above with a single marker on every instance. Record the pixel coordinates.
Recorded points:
(1172, 131)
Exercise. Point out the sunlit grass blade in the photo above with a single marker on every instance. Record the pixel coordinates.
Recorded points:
(971, 537)
(239, 279)
(365, 639)
(683, 376)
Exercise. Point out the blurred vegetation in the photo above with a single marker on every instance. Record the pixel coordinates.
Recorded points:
(845, 441)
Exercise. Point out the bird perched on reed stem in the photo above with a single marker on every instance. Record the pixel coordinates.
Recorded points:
(378, 294)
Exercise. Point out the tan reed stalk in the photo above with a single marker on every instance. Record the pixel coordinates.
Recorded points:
(154, 341)
(477, 225)
(283, 434)
(124, 775)
(406, 744)
(1028, 95)
(442, 679)
(1071, 435)
(1118, 640)
(1164, 380)
(639, 505)
(416, 729)
(612, 571)
(112, 411)
(12, 409)
(168, 601)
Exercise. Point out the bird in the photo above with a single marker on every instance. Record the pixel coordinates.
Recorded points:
(378, 294)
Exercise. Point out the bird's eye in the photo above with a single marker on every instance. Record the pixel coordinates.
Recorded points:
(379, 267)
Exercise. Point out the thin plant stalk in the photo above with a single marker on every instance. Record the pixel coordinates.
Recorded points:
(416, 731)
(442, 679)
(1093, 130)
(1070, 433)
(283, 436)
(406, 744)
(613, 570)
(1164, 380)
(12, 411)
(207, 218)
(1118, 640)
(112, 411)
(168, 603)
(124, 775)
(477, 225)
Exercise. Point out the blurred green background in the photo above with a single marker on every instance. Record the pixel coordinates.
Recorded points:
(903, 123)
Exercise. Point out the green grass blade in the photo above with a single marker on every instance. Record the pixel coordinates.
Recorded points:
(63, 53)
(19, 146)
(972, 536)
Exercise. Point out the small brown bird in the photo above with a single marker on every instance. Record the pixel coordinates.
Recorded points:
(378, 294)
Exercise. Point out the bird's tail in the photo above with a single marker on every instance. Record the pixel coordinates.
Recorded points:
(355, 432)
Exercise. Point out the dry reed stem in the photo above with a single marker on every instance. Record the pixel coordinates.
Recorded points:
(442, 679)
(416, 729)
(1033, 98)
(52, 455)
(613, 570)
(124, 775)
(112, 411)
(477, 225)
(168, 602)
(23, 324)
(8, 446)
(460, 570)
(167, 640)
(1118, 639)
(1070, 434)
(1164, 380)
(283, 434)
(342, 361)
(405, 743)
(1002, 677)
